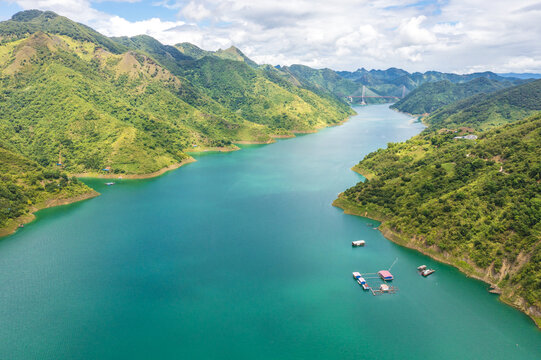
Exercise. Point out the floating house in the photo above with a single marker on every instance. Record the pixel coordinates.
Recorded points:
(385, 275)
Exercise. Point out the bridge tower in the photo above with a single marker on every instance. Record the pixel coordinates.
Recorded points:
(403, 91)
(362, 96)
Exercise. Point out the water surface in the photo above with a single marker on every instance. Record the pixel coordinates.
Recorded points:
(241, 256)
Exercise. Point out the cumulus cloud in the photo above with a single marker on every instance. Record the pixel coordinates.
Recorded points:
(452, 35)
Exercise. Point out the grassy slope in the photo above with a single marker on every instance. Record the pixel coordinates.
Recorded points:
(474, 204)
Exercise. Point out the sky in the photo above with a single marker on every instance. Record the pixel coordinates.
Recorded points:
(460, 36)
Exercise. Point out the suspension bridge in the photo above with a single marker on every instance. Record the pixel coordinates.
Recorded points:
(363, 96)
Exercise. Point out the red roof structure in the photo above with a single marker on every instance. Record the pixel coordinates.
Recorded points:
(385, 275)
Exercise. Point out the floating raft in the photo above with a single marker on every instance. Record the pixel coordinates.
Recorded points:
(385, 275)
(383, 288)
(360, 280)
(424, 271)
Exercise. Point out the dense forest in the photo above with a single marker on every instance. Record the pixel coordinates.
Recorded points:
(475, 203)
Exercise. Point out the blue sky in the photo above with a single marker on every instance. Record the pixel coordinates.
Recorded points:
(446, 35)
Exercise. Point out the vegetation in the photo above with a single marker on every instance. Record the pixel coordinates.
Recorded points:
(473, 203)
(93, 104)
(434, 95)
(483, 111)
(25, 186)
(391, 82)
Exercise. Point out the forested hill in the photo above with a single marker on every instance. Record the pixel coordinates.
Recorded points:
(74, 101)
(434, 95)
(25, 185)
(135, 105)
(487, 110)
(475, 204)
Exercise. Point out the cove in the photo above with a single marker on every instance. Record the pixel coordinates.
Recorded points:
(241, 256)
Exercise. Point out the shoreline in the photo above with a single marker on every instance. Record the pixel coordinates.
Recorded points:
(136, 176)
(518, 303)
(14, 224)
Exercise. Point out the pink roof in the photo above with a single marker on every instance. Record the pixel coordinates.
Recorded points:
(385, 274)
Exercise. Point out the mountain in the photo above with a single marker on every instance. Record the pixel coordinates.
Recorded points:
(521, 75)
(434, 95)
(135, 111)
(133, 106)
(192, 50)
(29, 22)
(486, 110)
(399, 77)
(232, 53)
(471, 202)
(388, 83)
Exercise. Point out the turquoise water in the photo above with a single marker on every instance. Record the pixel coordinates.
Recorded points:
(241, 256)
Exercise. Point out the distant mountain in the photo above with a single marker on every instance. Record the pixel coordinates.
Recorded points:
(392, 82)
(434, 95)
(487, 110)
(522, 75)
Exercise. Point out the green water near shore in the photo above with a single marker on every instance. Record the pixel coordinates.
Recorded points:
(241, 256)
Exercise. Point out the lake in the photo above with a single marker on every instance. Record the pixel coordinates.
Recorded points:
(241, 256)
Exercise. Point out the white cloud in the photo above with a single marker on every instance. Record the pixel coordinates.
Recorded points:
(453, 35)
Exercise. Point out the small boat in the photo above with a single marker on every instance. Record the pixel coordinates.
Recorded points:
(109, 183)
(421, 268)
(358, 243)
(365, 287)
(427, 272)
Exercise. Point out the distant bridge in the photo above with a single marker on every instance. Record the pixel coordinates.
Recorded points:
(363, 96)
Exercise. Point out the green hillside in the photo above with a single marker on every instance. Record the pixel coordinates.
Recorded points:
(252, 94)
(104, 110)
(26, 186)
(233, 53)
(247, 90)
(475, 204)
(486, 110)
(72, 96)
(28, 22)
(434, 95)
(192, 50)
